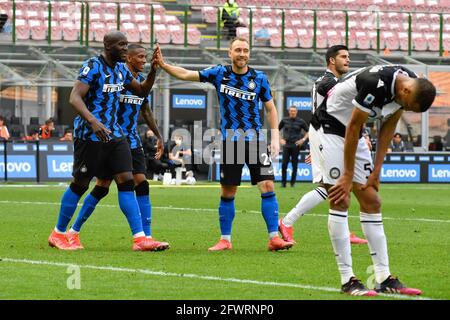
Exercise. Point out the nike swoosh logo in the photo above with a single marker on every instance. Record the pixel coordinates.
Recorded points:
(226, 79)
(270, 171)
(107, 76)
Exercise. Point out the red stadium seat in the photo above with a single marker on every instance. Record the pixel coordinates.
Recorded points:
(176, 34)
(290, 38)
(304, 38)
(22, 29)
(131, 31)
(162, 34)
(419, 41)
(38, 29)
(194, 35)
(70, 31)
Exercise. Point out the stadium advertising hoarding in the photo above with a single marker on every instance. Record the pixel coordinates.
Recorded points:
(398, 168)
(55, 161)
(301, 103)
(19, 166)
(185, 101)
(187, 105)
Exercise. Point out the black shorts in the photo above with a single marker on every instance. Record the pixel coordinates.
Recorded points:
(101, 160)
(237, 153)
(138, 157)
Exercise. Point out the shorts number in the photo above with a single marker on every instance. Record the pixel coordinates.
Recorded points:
(266, 159)
(367, 167)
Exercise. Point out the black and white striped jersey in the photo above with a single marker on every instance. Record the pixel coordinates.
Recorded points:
(370, 89)
(319, 94)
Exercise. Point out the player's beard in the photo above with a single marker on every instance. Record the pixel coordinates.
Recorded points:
(240, 63)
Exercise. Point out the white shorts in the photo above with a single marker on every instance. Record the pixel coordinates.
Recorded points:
(330, 150)
(315, 154)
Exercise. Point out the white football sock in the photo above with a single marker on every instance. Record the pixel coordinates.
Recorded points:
(340, 239)
(372, 226)
(139, 234)
(226, 237)
(306, 203)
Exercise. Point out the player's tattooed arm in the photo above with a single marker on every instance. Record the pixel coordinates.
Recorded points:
(80, 90)
(147, 114)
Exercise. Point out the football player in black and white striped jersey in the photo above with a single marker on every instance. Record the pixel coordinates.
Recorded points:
(337, 59)
(346, 164)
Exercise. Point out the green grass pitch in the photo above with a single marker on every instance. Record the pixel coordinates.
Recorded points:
(416, 220)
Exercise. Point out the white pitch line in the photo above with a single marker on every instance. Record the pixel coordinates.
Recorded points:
(196, 276)
(215, 210)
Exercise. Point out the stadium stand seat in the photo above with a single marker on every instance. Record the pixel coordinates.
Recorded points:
(38, 30)
(162, 34)
(70, 31)
(15, 120)
(22, 29)
(144, 30)
(419, 41)
(194, 36)
(291, 38)
(34, 120)
(131, 31)
(176, 34)
(17, 130)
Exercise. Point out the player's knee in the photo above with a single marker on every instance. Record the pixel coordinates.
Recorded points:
(123, 177)
(142, 189)
(78, 189)
(126, 186)
(228, 191)
(99, 192)
(266, 186)
(373, 205)
(103, 183)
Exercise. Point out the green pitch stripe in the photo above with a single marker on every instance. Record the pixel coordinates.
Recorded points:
(196, 276)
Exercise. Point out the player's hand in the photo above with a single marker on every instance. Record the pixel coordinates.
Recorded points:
(282, 141)
(341, 190)
(157, 56)
(373, 181)
(100, 131)
(308, 159)
(274, 148)
(299, 143)
(159, 149)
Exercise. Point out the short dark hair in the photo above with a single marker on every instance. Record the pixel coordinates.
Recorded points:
(332, 52)
(397, 134)
(2, 118)
(49, 120)
(425, 94)
(134, 46)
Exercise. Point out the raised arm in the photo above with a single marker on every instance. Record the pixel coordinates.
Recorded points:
(177, 72)
(142, 89)
(80, 90)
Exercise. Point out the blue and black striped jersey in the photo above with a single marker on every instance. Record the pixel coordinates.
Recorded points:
(102, 100)
(129, 108)
(239, 98)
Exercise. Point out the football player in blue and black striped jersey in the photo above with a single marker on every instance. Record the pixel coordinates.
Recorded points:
(240, 89)
(100, 147)
(129, 108)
